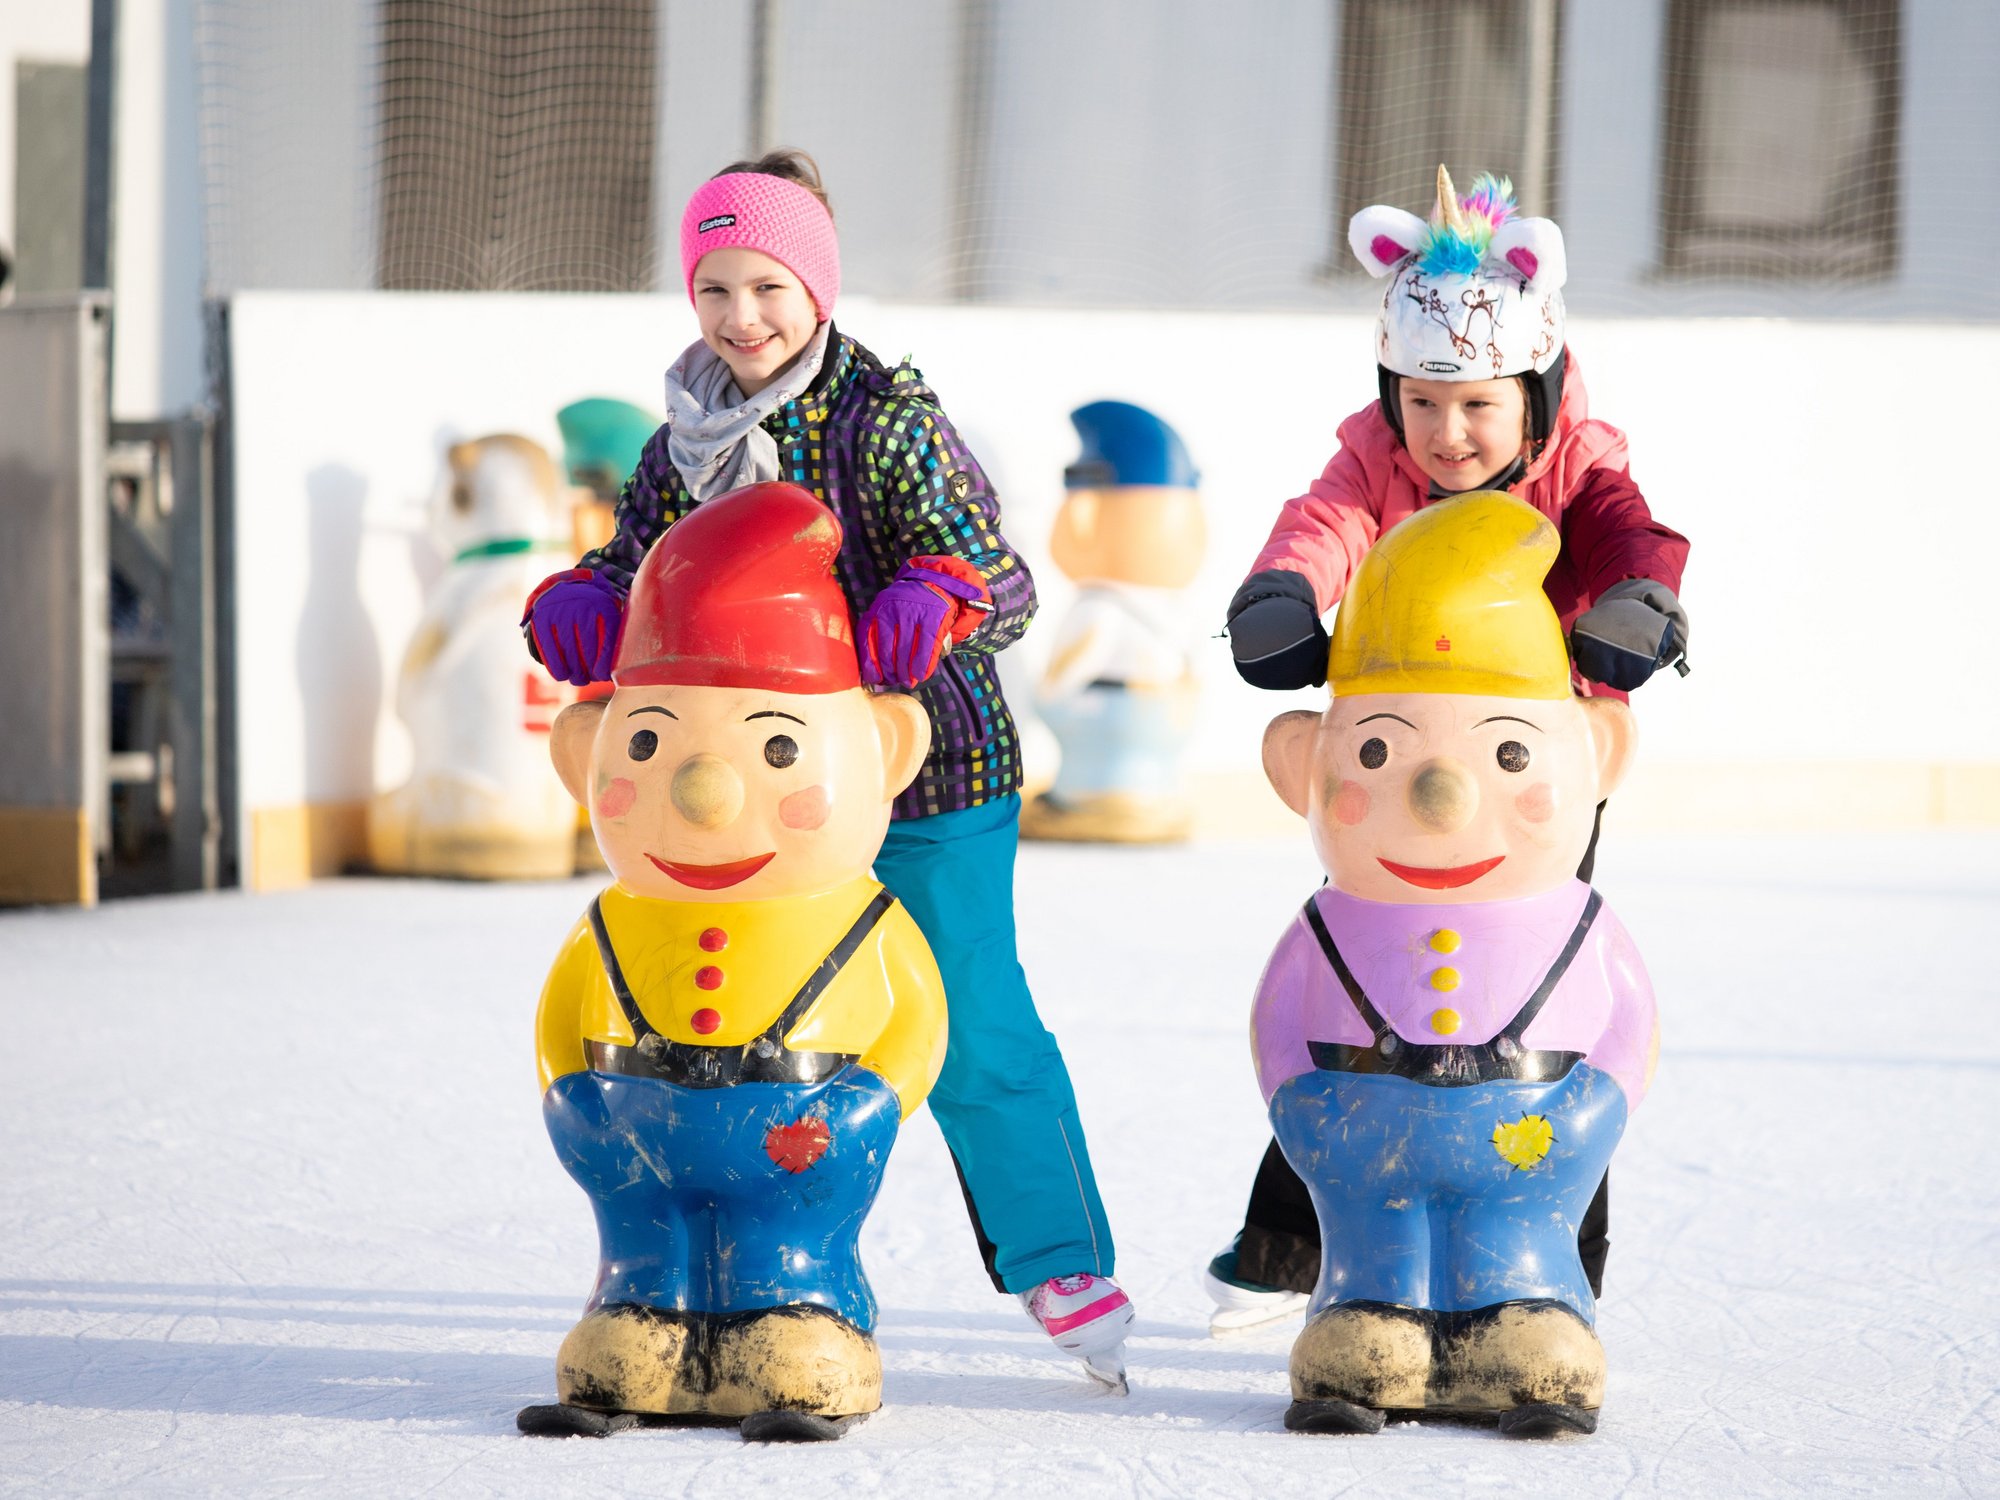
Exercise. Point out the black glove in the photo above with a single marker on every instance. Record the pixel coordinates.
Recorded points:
(1274, 631)
(1635, 628)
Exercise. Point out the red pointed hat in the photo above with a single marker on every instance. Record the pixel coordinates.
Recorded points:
(740, 592)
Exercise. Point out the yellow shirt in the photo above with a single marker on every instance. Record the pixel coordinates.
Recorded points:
(736, 965)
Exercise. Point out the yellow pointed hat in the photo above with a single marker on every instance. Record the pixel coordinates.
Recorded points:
(1451, 601)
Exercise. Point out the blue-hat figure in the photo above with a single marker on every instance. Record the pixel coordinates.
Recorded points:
(1124, 445)
(1120, 691)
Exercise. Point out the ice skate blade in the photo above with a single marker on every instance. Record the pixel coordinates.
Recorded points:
(1332, 1417)
(1547, 1419)
(559, 1420)
(796, 1427)
(1226, 1322)
(1108, 1370)
(1238, 1307)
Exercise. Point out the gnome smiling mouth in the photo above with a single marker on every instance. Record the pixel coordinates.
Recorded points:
(714, 877)
(1439, 880)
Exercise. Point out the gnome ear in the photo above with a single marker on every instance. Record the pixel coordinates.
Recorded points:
(1288, 749)
(570, 743)
(904, 725)
(1534, 249)
(1382, 237)
(1614, 736)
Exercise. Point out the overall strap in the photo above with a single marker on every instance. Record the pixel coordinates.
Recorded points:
(1373, 1018)
(608, 956)
(763, 1059)
(830, 966)
(1447, 1064)
(1516, 1028)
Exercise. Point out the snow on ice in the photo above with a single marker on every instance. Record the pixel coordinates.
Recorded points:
(277, 1214)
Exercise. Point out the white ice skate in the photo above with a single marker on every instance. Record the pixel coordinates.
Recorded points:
(1087, 1316)
(1241, 1305)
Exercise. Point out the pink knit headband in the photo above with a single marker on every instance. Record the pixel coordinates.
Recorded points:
(771, 214)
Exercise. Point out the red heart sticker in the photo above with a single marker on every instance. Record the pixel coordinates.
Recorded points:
(798, 1145)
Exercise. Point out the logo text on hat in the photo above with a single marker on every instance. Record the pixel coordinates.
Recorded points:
(720, 221)
(1441, 366)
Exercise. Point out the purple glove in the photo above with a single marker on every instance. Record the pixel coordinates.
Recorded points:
(932, 604)
(572, 624)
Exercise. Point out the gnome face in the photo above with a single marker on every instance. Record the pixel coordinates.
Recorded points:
(1146, 534)
(739, 794)
(1435, 798)
(740, 759)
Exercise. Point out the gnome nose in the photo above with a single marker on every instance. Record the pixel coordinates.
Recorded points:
(1443, 796)
(707, 791)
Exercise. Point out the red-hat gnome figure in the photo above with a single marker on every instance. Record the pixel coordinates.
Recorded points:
(731, 1035)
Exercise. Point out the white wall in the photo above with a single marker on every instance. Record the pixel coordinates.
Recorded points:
(1839, 584)
(157, 359)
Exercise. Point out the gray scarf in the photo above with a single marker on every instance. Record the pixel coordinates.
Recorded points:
(713, 433)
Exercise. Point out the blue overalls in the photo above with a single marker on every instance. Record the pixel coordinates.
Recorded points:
(727, 1179)
(1450, 1177)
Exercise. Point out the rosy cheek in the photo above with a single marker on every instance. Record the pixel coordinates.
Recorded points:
(1538, 803)
(1351, 803)
(806, 809)
(616, 799)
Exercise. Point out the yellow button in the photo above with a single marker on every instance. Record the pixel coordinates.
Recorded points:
(1444, 940)
(1444, 979)
(1445, 1022)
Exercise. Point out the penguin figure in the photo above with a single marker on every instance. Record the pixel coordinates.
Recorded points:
(481, 802)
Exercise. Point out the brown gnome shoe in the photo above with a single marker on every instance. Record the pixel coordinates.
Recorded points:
(1373, 1356)
(1520, 1355)
(798, 1358)
(623, 1358)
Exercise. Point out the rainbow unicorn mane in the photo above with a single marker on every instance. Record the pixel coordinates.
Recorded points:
(1461, 229)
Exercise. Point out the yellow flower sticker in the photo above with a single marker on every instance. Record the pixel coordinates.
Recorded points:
(1525, 1141)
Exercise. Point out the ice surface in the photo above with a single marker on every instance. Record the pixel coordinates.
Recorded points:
(277, 1214)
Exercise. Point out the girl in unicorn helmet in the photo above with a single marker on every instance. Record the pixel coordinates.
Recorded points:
(1479, 391)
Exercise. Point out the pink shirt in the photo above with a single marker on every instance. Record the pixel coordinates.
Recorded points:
(1498, 953)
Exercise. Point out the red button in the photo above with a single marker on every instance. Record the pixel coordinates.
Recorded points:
(714, 940)
(705, 1021)
(708, 977)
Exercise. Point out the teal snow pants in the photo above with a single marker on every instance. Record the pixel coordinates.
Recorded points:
(1004, 1101)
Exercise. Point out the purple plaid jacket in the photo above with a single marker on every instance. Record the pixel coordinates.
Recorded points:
(875, 446)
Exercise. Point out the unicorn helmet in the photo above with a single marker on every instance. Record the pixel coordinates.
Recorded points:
(1474, 294)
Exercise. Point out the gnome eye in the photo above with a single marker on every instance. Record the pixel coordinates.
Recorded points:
(642, 745)
(1512, 755)
(781, 750)
(1374, 754)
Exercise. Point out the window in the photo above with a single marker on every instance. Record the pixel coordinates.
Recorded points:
(1779, 153)
(517, 145)
(1470, 83)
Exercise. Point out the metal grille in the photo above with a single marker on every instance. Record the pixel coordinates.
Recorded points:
(516, 147)
(1700, 155)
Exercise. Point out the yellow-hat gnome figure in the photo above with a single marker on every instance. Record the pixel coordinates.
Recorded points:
(1453, 1031)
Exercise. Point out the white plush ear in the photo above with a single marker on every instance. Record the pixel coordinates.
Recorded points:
(1382, 237)
(1533, 249)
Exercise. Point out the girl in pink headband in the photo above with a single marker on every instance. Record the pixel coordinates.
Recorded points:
(773, 391)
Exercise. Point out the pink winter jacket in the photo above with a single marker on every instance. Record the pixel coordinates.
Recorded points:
(1580, 481)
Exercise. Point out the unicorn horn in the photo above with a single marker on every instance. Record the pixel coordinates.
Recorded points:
(1449, 213)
